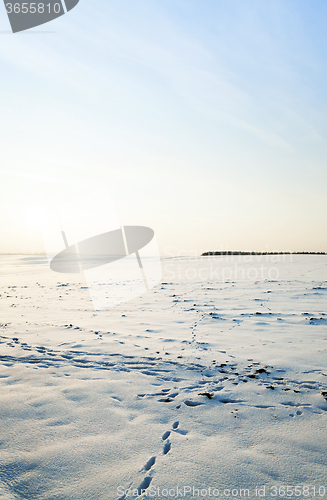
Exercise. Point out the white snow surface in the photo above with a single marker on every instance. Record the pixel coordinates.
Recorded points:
(211, 380)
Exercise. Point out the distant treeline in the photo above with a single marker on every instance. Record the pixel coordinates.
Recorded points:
(232, 252)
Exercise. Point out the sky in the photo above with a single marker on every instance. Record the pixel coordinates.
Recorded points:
(206, 121)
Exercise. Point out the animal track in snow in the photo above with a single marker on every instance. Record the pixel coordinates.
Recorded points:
(188, 402)
(197, 383)
(150, 463)
(166, 448)
(298, 413)
(149, 466)
(144, 485)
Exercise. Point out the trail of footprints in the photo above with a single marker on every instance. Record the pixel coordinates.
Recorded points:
(195, 385)
(284, 392)
(149, 467)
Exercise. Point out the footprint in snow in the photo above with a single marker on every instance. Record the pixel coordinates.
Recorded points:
(298, 413)
(144, 485)
(166, 448)
(188, 402)
(150, 463)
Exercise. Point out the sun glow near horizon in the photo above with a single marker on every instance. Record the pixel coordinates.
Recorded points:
(205, 121)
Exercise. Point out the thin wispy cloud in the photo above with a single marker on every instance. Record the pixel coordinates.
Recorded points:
(182, 105)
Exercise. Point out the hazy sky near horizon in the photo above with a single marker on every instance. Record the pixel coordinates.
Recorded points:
(205, 119)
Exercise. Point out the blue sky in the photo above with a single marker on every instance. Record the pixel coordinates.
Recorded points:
(206, 120)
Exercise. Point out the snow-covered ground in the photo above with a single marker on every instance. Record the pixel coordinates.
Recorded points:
(214, 380)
